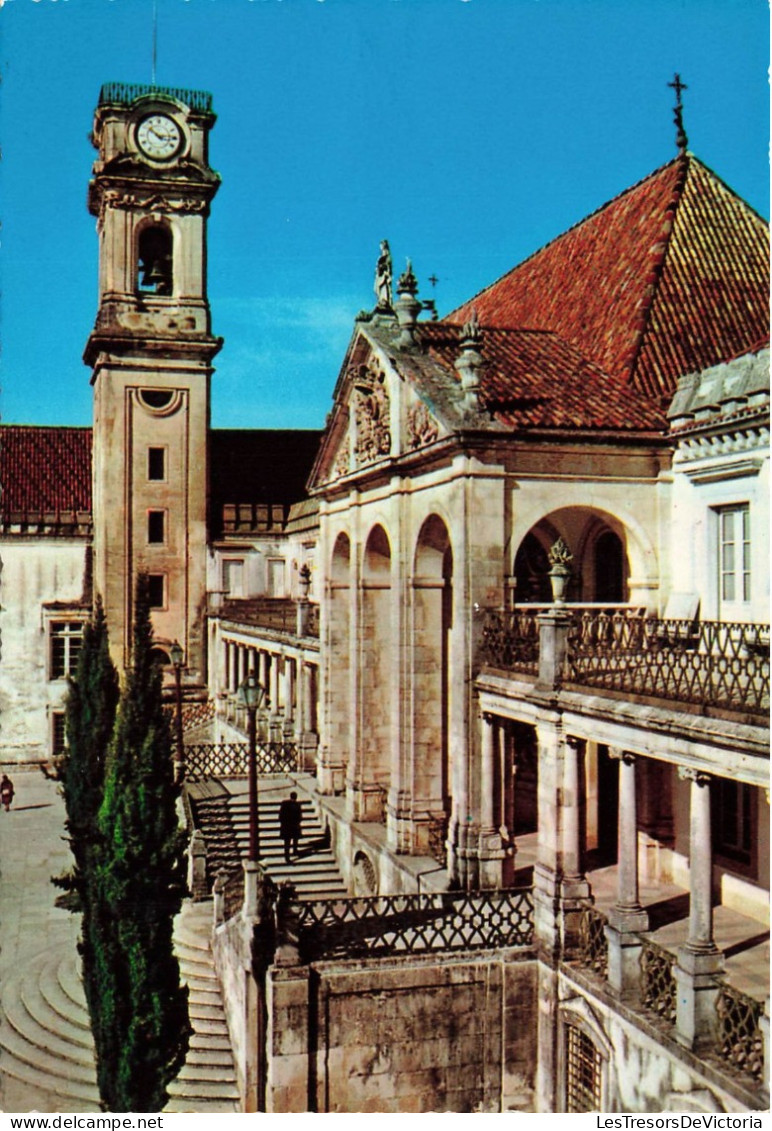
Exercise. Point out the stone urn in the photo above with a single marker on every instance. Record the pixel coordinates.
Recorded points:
(560, 558)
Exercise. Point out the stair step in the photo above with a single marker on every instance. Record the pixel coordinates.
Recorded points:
(204, 1089)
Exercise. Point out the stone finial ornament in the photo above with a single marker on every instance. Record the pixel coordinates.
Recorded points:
(383, 277)
(469, 363)
(407, 307)
(560, 555)
(560, 559)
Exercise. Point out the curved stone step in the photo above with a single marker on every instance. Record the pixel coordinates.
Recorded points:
(44, 1037)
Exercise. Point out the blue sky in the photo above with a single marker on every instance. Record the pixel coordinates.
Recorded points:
(466, 132)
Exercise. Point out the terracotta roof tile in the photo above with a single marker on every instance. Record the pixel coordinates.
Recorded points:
(670, 276)
(44, 470)
(534, 379)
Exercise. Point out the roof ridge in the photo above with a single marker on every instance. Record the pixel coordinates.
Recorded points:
(658, 254)
(567, 231)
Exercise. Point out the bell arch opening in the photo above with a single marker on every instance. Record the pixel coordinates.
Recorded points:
(155, 263)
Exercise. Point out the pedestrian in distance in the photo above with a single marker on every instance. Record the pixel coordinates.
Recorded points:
(290, 824)
(6, 792)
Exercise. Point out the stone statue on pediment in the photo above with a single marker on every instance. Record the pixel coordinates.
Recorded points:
(383, 278)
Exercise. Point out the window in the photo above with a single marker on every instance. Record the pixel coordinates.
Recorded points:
(734, 557)
(156, 463)
(583, 1072)
(66, 638)
(156, 526)
(233, 577)
(58, 734)
(155, 590)
(733, 809)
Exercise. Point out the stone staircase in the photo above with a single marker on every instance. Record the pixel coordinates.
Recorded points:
(46, 1047)
(224, 821)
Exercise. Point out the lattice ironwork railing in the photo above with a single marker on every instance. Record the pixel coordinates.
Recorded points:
(312, 622)
(231, 759)
(711, 663)
(510, 640)
(439, 921)
(739, 1034)
(195, 714)
(593, 945)
(233, 893)
(438, 832)
(658, 985)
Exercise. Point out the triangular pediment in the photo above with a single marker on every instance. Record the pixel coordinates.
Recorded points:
(377, 415)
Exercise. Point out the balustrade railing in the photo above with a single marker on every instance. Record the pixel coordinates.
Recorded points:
(739, 1035)
(438, 832)
(510, 640)
(438, 921)
(233, 893)
(710, 663)
(231, 759)
(593, 945)
(658, 984)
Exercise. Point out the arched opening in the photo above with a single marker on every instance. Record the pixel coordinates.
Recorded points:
(610, 563)
(532, 583)
(376, 666)
(432, 687)
(160, 656)
(155, 273)
(338, 656)
(600, 568)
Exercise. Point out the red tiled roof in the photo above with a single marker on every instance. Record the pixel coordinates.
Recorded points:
(534, 379)
(670, 277)
(44, 470)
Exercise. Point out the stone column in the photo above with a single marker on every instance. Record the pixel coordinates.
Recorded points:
(490, 851)
(288, 684)
(626, 918)
(700, 961)
(560, 888)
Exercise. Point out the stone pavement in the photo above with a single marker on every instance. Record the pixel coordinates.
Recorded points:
(46, 1050)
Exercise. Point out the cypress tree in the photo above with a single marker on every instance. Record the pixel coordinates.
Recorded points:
(89, 720)
(143, 1035)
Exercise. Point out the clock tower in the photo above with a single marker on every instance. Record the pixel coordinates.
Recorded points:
(151, 353)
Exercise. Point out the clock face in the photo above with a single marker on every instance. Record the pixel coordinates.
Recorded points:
(159, 136)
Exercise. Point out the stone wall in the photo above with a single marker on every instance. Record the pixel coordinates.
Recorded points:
(420, 1034)
(33, 571)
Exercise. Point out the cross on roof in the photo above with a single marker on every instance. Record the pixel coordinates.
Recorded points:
(681, 138)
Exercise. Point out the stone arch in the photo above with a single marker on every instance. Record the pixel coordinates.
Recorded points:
(338, 654)
(432, 624)
(154, 257)
(376, 659)
(608, 552)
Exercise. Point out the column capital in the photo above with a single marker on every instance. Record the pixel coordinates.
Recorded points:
(574, 741)
(488, 717)
(618, 755)
(686, 773)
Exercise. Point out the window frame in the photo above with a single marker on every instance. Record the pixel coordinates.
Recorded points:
(72, 631)
(155, 450)
(740, 542)
(153, 514)
(162, 577)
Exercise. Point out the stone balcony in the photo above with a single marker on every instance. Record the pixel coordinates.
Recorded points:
(713, 665)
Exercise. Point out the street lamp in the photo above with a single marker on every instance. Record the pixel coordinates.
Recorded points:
(177, 656)
(251, 696)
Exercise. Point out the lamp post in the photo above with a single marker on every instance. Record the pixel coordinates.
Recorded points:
(177, 656)
(251, 696)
